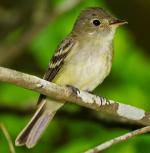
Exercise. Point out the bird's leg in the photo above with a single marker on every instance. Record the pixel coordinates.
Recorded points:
(91, 92)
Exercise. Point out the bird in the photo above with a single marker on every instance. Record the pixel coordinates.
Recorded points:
(82, 60)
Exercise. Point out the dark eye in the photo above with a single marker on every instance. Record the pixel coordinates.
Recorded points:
(96, 22)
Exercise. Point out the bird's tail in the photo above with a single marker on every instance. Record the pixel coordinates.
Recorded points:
(31, 133)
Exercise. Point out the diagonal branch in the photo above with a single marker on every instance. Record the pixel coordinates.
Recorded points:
(115, 109)
(119, 139)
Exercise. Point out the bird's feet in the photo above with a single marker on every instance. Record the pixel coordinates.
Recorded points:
(74, 89)
(102, 99)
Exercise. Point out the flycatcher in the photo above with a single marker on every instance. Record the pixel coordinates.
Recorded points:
(82, 60)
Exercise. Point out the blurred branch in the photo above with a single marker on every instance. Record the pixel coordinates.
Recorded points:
(8, 138)
(82, 115)
(119, 139)
(17, 110)
(16, 49)
(115, 109)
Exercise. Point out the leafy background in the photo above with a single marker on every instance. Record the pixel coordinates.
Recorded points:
(129, 81)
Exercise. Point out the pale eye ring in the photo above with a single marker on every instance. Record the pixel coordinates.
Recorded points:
(96, 22)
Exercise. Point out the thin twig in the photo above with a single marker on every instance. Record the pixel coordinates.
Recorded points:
(8, 138)
(119, 139)
(116, 109)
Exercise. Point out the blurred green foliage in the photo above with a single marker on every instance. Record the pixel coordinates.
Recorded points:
(129, 82)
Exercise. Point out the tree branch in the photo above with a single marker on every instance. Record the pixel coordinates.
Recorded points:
(119, 139)
(115, 109)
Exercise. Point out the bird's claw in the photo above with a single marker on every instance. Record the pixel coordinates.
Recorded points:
(74, 89)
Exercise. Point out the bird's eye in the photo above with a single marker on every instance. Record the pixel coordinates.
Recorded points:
(96, 22)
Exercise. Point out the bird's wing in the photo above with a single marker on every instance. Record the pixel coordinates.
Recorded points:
(57, 61)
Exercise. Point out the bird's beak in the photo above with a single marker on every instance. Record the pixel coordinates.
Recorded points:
(118, 22)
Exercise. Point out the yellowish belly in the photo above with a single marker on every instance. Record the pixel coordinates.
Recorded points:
(84, 68)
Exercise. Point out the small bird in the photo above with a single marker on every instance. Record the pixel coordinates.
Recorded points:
(83, 60)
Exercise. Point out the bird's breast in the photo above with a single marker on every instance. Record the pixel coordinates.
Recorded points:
(86, 66)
